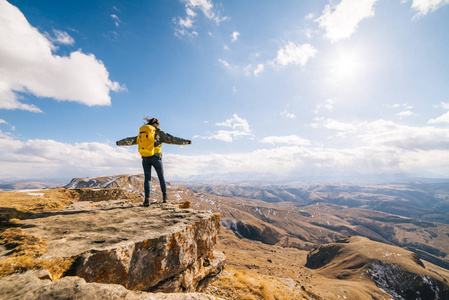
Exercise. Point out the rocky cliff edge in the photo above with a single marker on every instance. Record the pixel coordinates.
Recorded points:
(161, 248)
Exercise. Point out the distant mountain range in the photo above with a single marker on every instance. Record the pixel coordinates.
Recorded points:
(412, 215)
(419, 200)
(29, 185)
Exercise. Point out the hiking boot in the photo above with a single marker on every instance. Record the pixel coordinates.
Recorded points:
(164, 199)
(146, 203)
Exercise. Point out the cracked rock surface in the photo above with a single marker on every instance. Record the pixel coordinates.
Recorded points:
(160, 248)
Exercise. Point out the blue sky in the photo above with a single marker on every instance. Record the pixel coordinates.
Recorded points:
(266, 90)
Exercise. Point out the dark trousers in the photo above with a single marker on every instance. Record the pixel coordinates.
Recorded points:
(156, 162)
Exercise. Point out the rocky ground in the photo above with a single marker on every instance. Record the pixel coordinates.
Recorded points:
(161, 248)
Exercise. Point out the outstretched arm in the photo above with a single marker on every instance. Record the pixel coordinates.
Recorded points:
(129, 141)
(169, 139)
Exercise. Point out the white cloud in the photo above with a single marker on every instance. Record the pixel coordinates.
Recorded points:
(61, 37)
(187, 22)
(425, 6)
(236, 123)
(116, 19)
(238, 127)
(205, 6)
(309, 16)
(183, 26)
(308, 32)
(288, 115)
(288, 139)
(341, 20)
(302, 162)
(37, 159)
(295, 54)
(378, 147)
(258, 69)
(28, 65)
(441, 119)
(225, 135)
(328, 105)
(234, 36)
(251, 70)
(190, 12)
(400, 105)
(3, 121)
(404, 113)
(289, 54)
(342, 127)
(234, 89)
(405, 137)
(225, 63)
(34, 159)
(6, 136)
(389, 134)
(406, 109)
(443, 105)
(367, 148)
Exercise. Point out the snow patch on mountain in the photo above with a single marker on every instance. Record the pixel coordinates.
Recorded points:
(399, 283)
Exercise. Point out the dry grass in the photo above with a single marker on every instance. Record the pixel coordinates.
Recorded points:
(20, 205)
(249, 285)
(24, 254)
(185, 204)
(20, 244)
(25, 251)
(18, 264)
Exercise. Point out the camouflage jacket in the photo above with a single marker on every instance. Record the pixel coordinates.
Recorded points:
(160, 137)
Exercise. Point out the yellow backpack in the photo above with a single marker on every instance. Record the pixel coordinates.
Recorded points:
(145, 140)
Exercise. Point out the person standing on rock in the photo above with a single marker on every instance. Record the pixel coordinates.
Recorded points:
(150, 140)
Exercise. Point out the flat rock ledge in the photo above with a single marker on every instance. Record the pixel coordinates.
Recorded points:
(160, 248)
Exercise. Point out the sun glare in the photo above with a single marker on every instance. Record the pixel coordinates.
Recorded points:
(346, 66)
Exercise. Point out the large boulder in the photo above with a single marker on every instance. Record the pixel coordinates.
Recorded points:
(160, 248)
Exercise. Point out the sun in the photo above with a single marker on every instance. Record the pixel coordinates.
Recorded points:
(345, 66)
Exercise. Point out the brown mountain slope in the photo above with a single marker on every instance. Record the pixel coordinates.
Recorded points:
(395, 270)
(307, 226)
(343, 273)
(351, 271)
